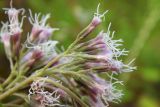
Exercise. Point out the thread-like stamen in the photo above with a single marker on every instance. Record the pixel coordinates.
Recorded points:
(48, 98)
(97, 14)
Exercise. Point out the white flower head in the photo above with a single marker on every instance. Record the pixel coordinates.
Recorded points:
(45, 97)
(38, 22)
(40, 26)
(110, 93)
(14, 23)
(114, 45)
(114, 52)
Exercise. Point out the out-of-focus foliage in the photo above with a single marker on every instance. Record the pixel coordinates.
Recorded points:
(137, 22)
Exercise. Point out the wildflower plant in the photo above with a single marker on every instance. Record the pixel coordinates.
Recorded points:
(42, 76)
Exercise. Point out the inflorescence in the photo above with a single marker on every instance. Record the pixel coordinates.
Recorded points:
(68, 78)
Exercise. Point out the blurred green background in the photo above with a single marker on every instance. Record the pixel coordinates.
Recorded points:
(137, 22)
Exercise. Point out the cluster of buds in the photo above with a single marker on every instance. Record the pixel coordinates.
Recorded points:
(73, 73)
(105, 53)
(37, 41)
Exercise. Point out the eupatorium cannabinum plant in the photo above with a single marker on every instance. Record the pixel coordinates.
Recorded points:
(43, 76)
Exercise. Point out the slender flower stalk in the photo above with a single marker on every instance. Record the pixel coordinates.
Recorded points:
(68, 78)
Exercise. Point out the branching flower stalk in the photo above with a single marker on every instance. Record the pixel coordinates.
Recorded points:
(58, 79)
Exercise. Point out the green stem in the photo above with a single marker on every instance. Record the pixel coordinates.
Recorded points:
(13, 82)
(8, 80)
(15, 101)
(16, 79)
(12, 74)
(19, 86)
(80, 36)
(22, 95)
(11, 105)
(52, 62)
(11, 63)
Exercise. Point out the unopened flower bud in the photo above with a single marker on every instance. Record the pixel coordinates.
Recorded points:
(98, 17)
(5, 38)
(40, 30)
(5, 35)
(15, 27)
(32, 57)
(35, 33)
(96, 21)
(16, 38)
(45, 34)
